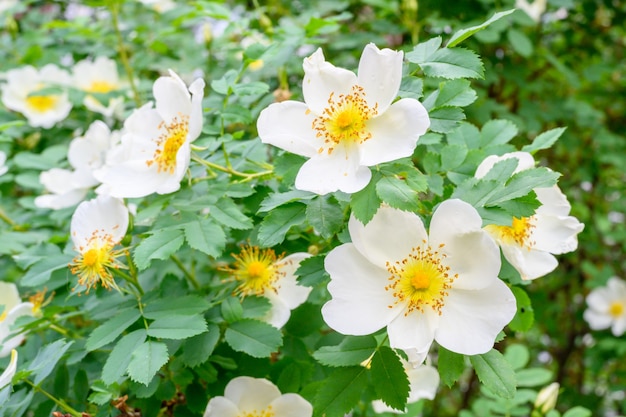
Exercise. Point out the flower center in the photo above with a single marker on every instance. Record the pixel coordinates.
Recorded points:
(268, 412)
(169, 143)
(616, 309)
(94, 263)
(42, 104)
(519, 232)
(256, 271)
(39, 300)
(344, 120)
(421, 279)
(100, 87)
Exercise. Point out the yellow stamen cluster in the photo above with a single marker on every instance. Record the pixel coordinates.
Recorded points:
(519, 232)
(42, 104)
(344, 120)
(421, 279)
(100, 86)
(95, 260)
(169, 143)
(39, 300)
(256, 271)
(268, 412)
(616, 309)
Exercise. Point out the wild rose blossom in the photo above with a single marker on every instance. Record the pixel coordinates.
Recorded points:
(13, 309)
(607, 307)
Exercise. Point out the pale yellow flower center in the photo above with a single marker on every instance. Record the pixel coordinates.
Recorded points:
(268, 412)
(94, 263)
(344, 120)
(169, 143)
(42, 104)
(616, 309)
(3, 316)
(519, 232)
(256, 271)
(421, 279)
(100, 86)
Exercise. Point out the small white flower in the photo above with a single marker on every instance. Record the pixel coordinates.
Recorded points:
(154, 152)
(99, 76)
(3, 160)
(9, 372)
(96, 227)
(21, 93)
(440, 286)
(607, 307)
(423, 384)
(530, 242)
(256, 397)
(347, 122)
(13, 309)
(262, 273)
(534, 10)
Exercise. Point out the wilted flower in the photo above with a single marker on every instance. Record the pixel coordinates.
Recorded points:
(39, 95)
(530, 242)
(441, 286)
(262, 273)
(607, 307)
(256, 397)
(154, 152)
(423, 384)
(96, 227)
(98, 76)
(13, 309)
(9, 372)
(347, 122)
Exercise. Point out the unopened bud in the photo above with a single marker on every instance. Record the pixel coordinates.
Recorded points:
(546, 399)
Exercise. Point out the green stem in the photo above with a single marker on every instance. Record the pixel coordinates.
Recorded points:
(6, 218)
(230, 170)
(114, 8)
(58, 402)
(131, 280)
(188, 275)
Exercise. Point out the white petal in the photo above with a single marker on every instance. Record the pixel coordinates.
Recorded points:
(617, 286)
(9, 372)
(292, 405)
(597, 321)
(414, 331)
(279, 312)
(555, 234)
(380, 75)
(60, 201)
(221, 407)
(289, 291)
(105, 215)
(322, 78)
(553, 201)
(530, 264)
(340, 170)
(250, 394)
(288, 125)
(424, 381)
(395, 132)
(360, 303)
(525, 159)
(600, 298)
(389, 236)
(195, 117)
(470, 252)
(471, 320)
(9, 296)
(172, 98)
(125, 181)
(619, 326)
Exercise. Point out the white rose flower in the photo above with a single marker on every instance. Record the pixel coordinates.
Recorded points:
(607, 307)
(13, 309)
(99, 76)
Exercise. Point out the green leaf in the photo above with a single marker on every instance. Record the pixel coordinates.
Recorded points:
(146, 361)
(453, 63)
(46, 359)
(501, 170)
(411, 87)
(423, 51)
(228, 213)
(521, 206)
(41, 271)
(256, 338)
(523, 183)
(186, 305)
(520, 42)
(117, 362)
(161, 245)
(460, 35)
(325, 217)
(390, 379)
(340, 392)
(452, 156)
(517, 355)
(231, 309)
(311, 271)
(456, 93)
(351, 351)
(525, 316)
(253, 88)
(197, 349)
(111, 329)
(206, 236)
(450, 366)
(397, 194)
(445, 119)
(533, 377)
(365, 203)
(275, 225)
(544, 140)
(278, 199)
(495, 373)
(577, 411)
(497, 132)
(177, 327)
